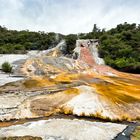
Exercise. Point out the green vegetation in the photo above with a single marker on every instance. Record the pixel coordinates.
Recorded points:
(20, 41)
(136, 134)
(6, 67)
(70, 43)
(120, 46)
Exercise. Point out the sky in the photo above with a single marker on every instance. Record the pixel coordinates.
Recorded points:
(67, 16)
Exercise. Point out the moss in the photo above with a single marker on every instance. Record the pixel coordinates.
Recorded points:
(136, 134)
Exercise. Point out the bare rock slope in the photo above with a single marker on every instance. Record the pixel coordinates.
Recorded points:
(81, 86)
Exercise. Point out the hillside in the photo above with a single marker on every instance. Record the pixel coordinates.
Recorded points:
(119, 47)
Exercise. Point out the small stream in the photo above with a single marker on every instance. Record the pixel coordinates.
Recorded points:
(125, 135)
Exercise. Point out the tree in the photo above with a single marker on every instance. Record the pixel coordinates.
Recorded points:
(95, 28)
(96, 32)
(70, 43)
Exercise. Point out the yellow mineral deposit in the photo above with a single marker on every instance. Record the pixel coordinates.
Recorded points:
(38, 82)
(67, 86)
(116, 98)
(107, 97)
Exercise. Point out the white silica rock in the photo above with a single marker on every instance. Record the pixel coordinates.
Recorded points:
(5, 78)
(11, 58)
(88, 103)
(65, 129)
(94, 50)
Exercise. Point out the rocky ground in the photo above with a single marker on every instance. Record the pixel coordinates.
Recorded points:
(55, 85)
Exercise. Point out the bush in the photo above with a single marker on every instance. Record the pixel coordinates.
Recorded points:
(6, 67)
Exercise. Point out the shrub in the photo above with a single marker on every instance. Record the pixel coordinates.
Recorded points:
(6, 67)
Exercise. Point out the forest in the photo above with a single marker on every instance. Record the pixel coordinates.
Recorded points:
(119, 46)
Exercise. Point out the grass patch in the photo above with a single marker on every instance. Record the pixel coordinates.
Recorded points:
(136, 134)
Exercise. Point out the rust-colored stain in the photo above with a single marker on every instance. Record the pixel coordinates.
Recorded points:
(86, 56)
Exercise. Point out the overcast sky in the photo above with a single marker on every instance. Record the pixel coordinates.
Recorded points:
(67, 16)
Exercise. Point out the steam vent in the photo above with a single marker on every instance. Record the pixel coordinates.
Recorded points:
(62, 98)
